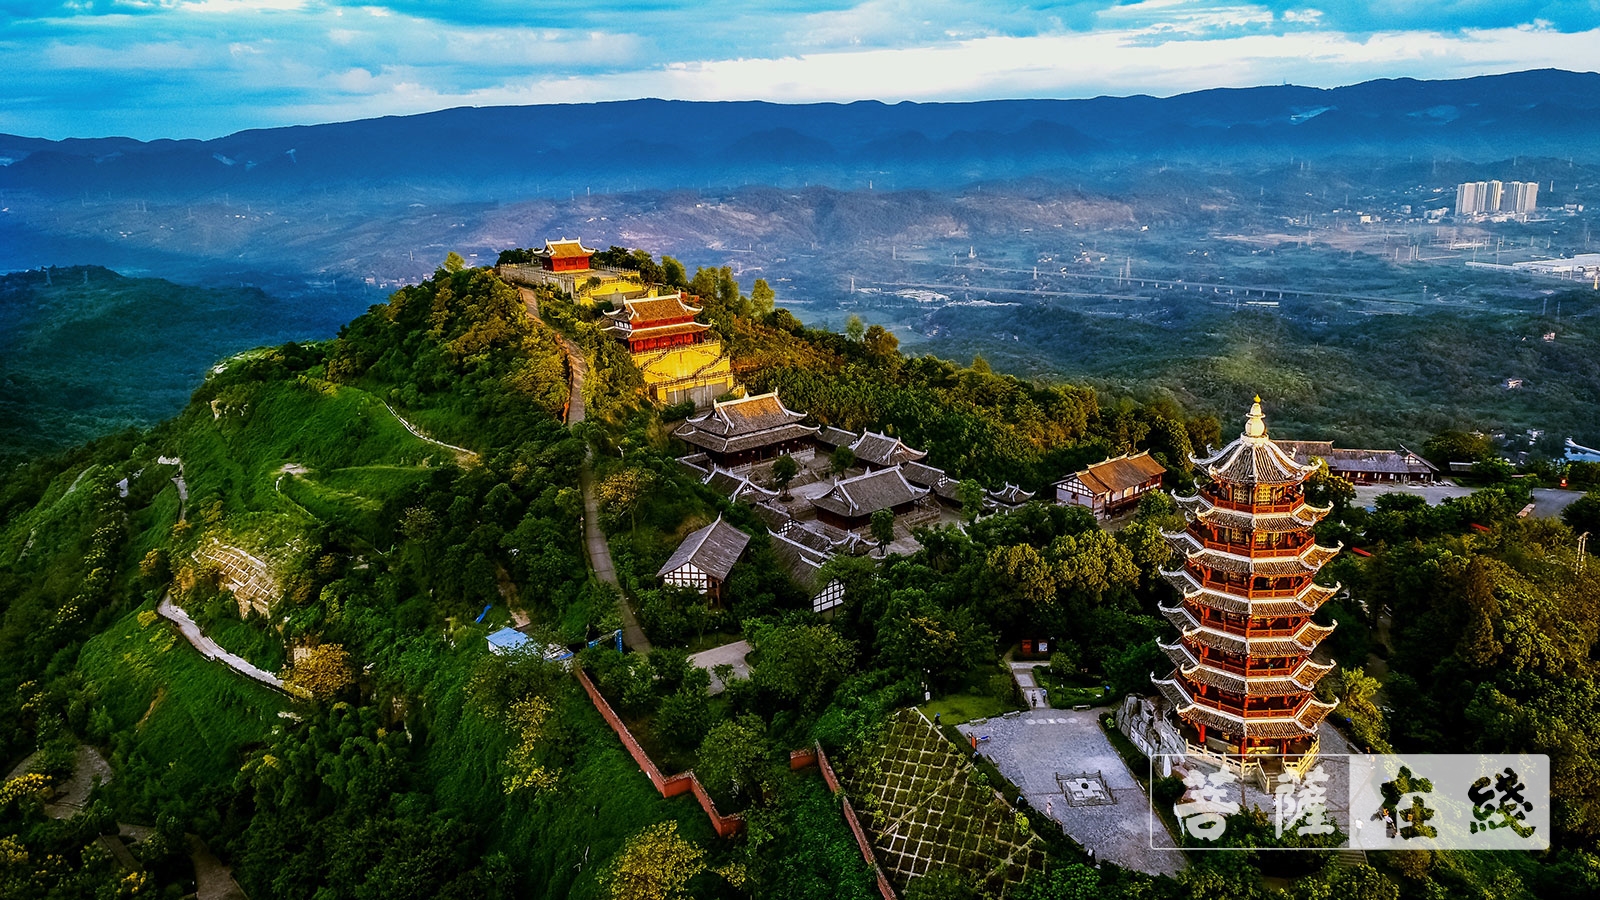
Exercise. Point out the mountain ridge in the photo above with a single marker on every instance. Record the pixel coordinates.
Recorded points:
(655, 143)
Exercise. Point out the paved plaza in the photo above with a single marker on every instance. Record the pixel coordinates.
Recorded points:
(1332, 762)
(1548, 503)
(731, 654)
(1103, 808)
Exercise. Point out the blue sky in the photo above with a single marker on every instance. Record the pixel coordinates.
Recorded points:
(203, 68)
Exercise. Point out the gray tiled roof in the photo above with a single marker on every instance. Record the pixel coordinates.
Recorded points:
(1395, 462)
(924, 475)
(836, 437)
(883, 450)
(1011, 495)
(735, 425)
(866, 494)
(713, 550)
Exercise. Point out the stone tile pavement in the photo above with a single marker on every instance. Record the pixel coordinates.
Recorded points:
(1033, 747)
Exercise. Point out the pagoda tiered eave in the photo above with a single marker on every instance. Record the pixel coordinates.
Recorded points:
(1297, 723)
(1253, 460)
(1304, 677)
(1304, 639)
(1202, 508)
(1306, 561)
(1305, 601)
(627, 332)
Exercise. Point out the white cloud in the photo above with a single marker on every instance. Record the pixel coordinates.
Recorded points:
(219, 65)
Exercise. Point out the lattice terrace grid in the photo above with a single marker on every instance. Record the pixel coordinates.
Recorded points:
(927, 808)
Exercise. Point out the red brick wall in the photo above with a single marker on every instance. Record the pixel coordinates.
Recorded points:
(884, 887)
(681, 783)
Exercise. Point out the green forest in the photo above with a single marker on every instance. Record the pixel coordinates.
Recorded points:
(85, 351)
(409, 487)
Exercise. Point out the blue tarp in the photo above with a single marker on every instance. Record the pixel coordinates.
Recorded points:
(506, 640)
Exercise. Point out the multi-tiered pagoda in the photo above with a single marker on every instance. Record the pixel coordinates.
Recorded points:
(1244, 672)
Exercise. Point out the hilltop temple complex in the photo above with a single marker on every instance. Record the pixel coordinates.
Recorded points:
(1244, 674)
(568, 266)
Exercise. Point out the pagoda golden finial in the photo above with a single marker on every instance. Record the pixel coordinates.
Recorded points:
(1255, 424)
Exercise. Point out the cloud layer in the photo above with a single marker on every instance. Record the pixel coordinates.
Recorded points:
(201, 68)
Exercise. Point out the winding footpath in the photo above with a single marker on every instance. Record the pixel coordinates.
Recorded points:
(420, 436)
(209, 648)
(464, 453)
(594, 539)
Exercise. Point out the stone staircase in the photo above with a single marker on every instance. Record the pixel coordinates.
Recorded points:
(1349, 858)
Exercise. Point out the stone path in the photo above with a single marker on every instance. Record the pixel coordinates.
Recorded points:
(209, 648)
(1033, 696)
(732, 654)
(183, 486)
(1032, 748)
(593, 538)
(213, 880)
(462, 452)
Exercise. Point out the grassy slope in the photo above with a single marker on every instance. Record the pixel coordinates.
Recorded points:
(192, 719)
(357, 453)
(187, 724)
(601, 800)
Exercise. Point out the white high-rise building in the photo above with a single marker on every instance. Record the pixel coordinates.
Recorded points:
(1478, 197)
(1469, 197)
(1523, 197)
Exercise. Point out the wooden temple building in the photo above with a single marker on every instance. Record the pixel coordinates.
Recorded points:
(1112, 486)
(1242, 686)
(1363, 466)
(563, 256)
(736, 433)
(704, 559)
(568, 267)
(852, 501)
(673, 352)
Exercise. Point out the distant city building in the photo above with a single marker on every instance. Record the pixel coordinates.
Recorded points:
(1474, 198)
(1524, 197)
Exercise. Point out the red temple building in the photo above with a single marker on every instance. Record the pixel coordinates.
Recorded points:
(564, 256)
(1244, 677)
(655, 323)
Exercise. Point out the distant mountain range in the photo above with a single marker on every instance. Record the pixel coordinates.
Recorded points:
(659, 144)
